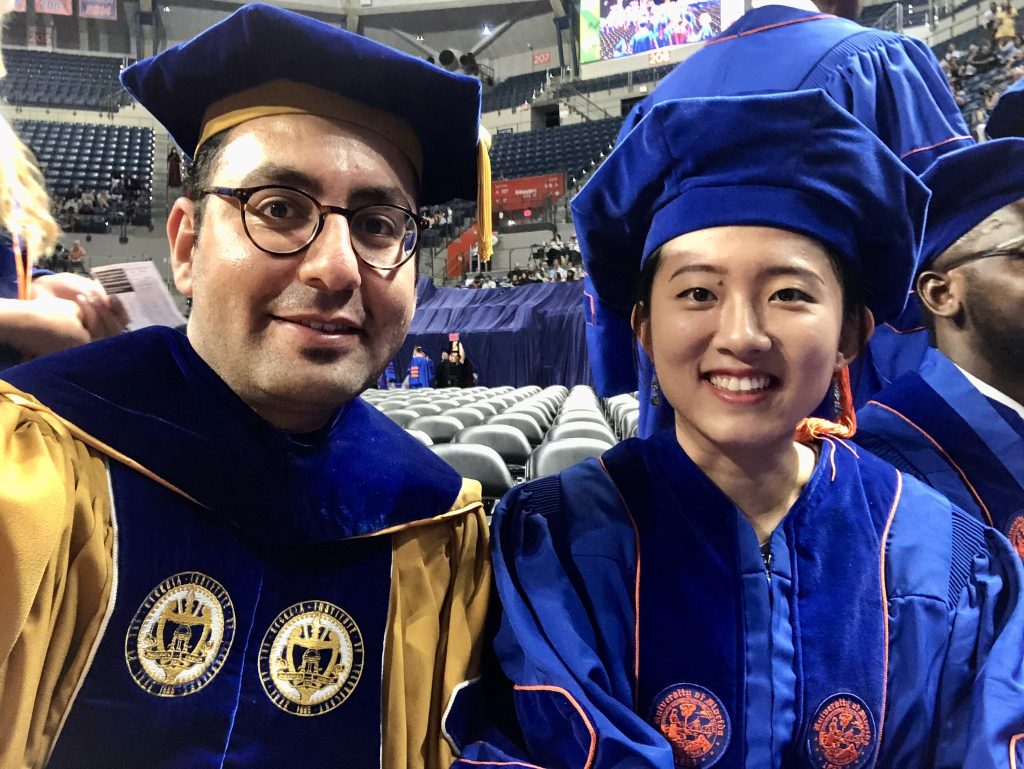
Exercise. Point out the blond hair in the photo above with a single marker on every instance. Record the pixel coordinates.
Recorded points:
(24, 203)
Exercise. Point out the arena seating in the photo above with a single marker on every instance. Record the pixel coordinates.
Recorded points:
(570, 149)
(63, 80)
(516, 90)
(88, 155)
(504, 435)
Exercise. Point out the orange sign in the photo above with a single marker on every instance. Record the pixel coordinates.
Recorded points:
(541, 58)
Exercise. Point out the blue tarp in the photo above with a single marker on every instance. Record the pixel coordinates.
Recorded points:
(513, 336)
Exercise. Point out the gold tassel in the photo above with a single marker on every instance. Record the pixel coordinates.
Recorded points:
(483, 197)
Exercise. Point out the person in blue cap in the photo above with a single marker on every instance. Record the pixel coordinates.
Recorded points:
(746, 588)
(891, 83)
(212, 552)
(957, 423)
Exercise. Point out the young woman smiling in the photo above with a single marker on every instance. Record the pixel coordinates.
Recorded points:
(743, 587)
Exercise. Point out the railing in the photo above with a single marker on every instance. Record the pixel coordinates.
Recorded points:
(891, 20)
(580, 103)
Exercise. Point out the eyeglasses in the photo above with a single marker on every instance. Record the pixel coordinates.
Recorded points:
(1012, 247)
(283, 220)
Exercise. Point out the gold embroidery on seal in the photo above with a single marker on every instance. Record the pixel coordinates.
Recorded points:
(311, 658)
(181, 635)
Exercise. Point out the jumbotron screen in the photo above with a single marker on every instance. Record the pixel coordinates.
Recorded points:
(611, 29)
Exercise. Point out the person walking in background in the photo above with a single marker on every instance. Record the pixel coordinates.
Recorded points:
(421, 369)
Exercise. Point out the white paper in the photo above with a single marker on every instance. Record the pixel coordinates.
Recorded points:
(142, 291)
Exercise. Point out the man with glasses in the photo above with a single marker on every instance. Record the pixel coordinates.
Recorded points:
(212, 552)
(957, 422)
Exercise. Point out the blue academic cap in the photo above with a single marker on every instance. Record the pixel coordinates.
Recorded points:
(262, 60)
(1007, 119)
(969, 185)
(796, 161)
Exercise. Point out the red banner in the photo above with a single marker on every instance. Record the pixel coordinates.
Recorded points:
(519, 194)
(98, 9)
(54, 7)
(458, 253)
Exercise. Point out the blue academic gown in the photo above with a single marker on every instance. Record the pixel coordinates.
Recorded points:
(641, 628)
(934, 424)
(421, 371)
(891, 83)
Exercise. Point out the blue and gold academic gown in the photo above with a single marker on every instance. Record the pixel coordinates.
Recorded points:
(182, 585)
(934, 423)
(641, 627)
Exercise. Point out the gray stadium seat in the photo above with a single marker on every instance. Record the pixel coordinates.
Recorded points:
(509, 442)
(539, 414)
(425, 409)
(401, 417)
(421, 436)
(439, 428)
(580, 430)
(629, 424)
(551, 458)
(576, 417)
(481, 463)
(526, 424)
(468, 415)
(490, 408)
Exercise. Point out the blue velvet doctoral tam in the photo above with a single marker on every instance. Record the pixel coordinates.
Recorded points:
(641, 627)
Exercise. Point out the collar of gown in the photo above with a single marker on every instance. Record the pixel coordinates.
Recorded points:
(149, 396)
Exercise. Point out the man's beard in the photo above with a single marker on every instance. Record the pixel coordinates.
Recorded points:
(1000, 336)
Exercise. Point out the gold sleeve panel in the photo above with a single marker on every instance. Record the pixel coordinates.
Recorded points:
(440, 585)
(56, 573)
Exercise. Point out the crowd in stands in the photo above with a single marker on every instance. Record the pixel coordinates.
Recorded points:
(92, 210)
(629, 28)
(980, 72)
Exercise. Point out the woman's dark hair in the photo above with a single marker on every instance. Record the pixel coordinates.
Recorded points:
(853, 293)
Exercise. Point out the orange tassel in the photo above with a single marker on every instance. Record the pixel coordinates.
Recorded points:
(813, 428)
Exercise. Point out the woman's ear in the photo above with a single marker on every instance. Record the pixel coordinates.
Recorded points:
(640, 320)
(857, 330)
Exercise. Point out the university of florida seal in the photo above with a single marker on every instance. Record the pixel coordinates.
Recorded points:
(695, 723)
(841, 733)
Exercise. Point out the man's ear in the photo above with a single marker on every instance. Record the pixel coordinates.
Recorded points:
(640, 320)
(181, 235)
(854, 336)
(940, 293)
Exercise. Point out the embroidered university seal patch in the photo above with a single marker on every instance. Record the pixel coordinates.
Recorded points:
(695, 723)
(311, 658)
(180, 636)
(842, 733)
(1015, 533)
